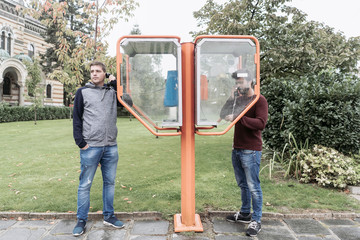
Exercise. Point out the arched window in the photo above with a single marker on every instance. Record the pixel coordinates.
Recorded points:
(7, 86)
(31, 50)
(48, 91)
(9, 44)
(3, 40)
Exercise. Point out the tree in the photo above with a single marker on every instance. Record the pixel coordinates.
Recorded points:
(50, 59)
(34, 87)
(308, 71)
(135, 30)
(290, 45)
(71, 26)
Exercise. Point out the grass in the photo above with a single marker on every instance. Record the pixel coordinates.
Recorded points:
(40, 169)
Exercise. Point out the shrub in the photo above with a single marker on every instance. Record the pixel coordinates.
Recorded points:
(16, 113)
(327, 167)
(276, 91)
(325, 109)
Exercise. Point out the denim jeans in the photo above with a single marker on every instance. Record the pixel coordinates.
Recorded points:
(90, 159)
(246, 164)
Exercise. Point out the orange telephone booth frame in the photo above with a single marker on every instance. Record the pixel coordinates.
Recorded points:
(188, 220)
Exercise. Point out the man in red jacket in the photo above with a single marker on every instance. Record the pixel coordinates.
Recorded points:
(247, 146)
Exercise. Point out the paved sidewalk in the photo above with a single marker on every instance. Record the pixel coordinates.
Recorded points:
(147, 226)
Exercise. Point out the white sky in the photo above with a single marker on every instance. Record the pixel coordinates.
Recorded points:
(175, 17)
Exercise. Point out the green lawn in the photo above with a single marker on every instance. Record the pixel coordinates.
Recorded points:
(40, 169)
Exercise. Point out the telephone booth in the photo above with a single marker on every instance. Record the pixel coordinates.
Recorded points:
(182, 88)
(216, 59)
(151, 77)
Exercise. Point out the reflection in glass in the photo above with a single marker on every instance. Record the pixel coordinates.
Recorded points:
(217, 60)
(241, 95)
(150, 75)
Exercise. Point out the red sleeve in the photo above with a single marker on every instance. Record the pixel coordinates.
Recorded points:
(261, 116)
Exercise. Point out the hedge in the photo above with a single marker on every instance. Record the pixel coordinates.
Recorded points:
(324, 108)
(17, 113)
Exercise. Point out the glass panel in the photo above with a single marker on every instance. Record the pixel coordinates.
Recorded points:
(3, 40)
(217, 94)
(48, 91)
(9, 44)
(31, 51)
(151, 76)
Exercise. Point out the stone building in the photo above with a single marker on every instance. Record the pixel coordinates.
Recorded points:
(20, 39)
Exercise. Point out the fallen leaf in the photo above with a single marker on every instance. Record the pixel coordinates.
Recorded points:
(123, 186)
(18, 165)
(267, 204)
(125, 199)
(154, 195)
(128, 201)
(316, 201)
(130, 189)
(12, 175)
(34, 197)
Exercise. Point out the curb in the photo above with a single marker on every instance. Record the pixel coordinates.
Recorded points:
(157, 215)
(72, 216)
(354, 190)
(329, 215)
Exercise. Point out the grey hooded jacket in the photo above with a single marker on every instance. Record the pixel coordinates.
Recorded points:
(94, 116)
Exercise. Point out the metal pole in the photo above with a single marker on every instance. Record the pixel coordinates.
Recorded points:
(188, 220)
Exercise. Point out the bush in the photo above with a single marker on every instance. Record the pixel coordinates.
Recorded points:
(327, 167)
(324, 109)
(16, 113)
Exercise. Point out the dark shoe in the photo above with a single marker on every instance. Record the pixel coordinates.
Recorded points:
(79, 228)
(253, 229)
(239, 217)
(114, 222)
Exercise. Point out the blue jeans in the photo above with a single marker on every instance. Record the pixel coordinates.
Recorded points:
(246, 165)
(90, 158)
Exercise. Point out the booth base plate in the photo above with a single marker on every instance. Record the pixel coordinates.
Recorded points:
(180, 227)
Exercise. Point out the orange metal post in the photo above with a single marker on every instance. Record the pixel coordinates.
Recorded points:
(188, 220)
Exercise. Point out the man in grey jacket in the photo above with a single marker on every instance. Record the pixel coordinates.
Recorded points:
(95, 132)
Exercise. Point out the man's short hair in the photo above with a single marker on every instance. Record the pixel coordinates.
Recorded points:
(97, 63)
(241, 74)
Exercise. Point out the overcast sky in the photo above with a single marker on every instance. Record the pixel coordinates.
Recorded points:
(175, 17)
